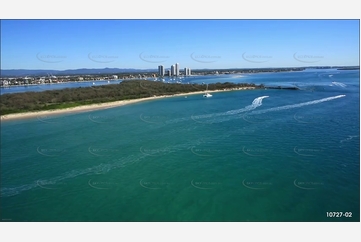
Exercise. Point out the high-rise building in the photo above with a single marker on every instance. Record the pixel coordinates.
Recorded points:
(187, 71)
(169, 73)
(161, 71)
(177, 69)
(172, 70)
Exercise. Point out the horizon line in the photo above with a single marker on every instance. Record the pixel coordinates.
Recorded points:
(227, 68)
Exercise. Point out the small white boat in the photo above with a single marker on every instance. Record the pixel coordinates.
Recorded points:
(207, 94)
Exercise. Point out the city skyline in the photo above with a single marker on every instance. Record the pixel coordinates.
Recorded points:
(174, 70)
(207, 44)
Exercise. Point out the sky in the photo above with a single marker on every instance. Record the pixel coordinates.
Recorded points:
(195, 44)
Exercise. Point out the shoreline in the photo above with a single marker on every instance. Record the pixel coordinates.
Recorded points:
(100, 106)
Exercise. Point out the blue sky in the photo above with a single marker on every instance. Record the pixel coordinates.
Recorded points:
(145, 44)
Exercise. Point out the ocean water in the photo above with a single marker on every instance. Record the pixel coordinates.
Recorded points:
(241, 156)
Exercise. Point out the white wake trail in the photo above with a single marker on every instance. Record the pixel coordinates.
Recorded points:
(256, 103)
(282, 108)
(298, 105)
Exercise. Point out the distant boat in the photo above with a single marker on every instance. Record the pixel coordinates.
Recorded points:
(207, 94)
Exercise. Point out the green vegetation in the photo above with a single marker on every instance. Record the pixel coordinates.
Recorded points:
(126, 90)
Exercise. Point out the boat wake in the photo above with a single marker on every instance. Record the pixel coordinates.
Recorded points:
(257, 102)
(102, 168)
(350, 137)
(297, 105)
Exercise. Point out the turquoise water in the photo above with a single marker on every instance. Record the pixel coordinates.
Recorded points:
(255, 155)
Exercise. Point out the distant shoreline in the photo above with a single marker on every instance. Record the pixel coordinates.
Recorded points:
(100, 106)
